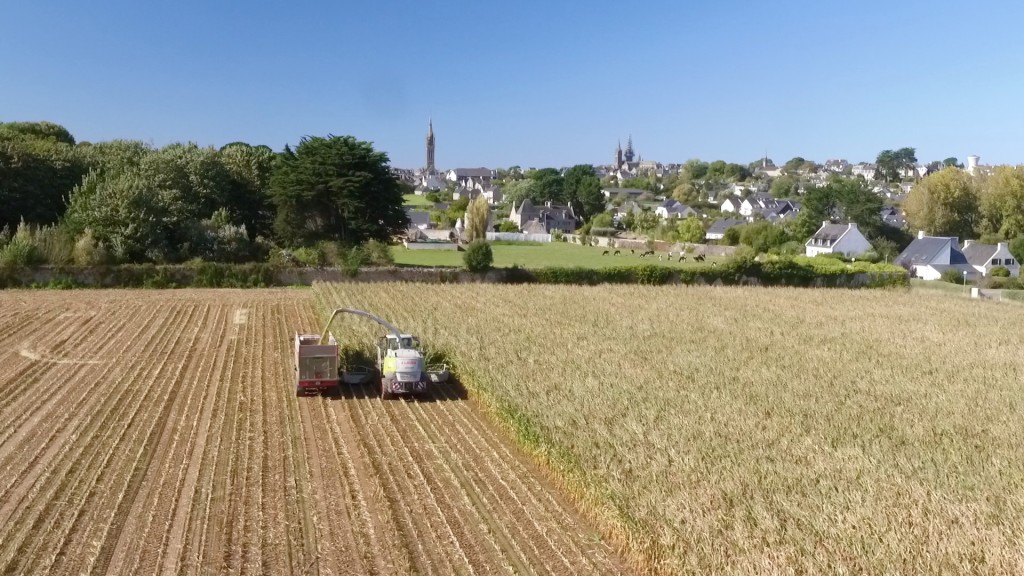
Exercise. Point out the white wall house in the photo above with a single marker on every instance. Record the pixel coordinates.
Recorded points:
(985, 257)
(731, 205)
(845, 239)
(927, 257)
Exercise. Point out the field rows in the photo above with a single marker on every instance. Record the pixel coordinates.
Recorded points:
(157, 432)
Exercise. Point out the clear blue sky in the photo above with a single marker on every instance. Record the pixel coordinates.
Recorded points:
(533, 83)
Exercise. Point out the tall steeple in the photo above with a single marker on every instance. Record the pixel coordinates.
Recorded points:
(430, 147)
(629, 149)
(618, 156)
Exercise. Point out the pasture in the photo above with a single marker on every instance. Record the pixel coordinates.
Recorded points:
(538, 255)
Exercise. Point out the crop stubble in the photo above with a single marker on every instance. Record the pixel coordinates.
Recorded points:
(157, 432)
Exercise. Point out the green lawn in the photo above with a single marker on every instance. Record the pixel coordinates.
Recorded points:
(415, 201)
(940, 286)
(532, 256)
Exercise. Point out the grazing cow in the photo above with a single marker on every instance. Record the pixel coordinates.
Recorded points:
(714, 264)
(631, 251)
(698, 258)
(616, 253)
(682, 258)
(605, 253)
(659, 257)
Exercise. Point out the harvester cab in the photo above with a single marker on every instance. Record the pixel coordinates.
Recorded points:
(401, 365)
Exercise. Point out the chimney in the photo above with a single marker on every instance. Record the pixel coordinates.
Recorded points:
(920, 234)
(1003, 246)
(968, 243)
(825, 222)
(852, 226)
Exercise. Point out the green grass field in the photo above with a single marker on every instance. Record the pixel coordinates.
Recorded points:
(939, 286)
(414, 201)
(533, 256)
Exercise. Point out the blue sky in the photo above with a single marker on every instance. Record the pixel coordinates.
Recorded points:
(533, 83)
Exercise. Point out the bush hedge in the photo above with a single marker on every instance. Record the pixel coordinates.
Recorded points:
(806, 272)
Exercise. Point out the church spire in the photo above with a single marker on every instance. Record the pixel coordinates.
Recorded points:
(430, 146)
(629, 154)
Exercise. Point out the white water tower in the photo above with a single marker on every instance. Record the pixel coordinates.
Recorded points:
(972, 163)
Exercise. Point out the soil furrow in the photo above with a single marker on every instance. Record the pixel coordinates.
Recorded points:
(98, 429)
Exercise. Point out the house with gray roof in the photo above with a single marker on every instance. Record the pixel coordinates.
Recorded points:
(472, 178)
(418, 218)
(628, 193)
(718, 228)
(845, 239)
(927, 257)
(551, 216)
(674, 209)
(985, 257)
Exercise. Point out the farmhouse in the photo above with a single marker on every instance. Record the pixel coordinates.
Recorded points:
(845, 239)
(927, 257)
(985, 257)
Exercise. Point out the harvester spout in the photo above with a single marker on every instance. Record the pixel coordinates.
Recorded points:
(387, 325)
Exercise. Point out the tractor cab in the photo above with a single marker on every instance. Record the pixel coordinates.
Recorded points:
(400, 363)
(390, 342)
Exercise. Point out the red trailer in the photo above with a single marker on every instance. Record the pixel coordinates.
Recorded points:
(316, 364)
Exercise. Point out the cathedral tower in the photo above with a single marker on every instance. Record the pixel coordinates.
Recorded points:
(430, 147)
(629, 149)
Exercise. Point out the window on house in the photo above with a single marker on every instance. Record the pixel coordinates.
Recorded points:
(1009, 262)
(996, 261)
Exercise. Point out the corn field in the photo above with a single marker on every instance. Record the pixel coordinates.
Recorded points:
(752, 430)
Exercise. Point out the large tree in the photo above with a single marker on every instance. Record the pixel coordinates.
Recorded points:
(549, 184)
(840, 200)
(335, 188)
(1001, 203)
(891, 165)
(944, 204)
(583, 190)
(38, 169)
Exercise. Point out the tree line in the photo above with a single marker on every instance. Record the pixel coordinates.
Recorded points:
(126, 201)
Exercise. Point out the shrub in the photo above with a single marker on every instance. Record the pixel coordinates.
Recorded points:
(478, 256)
(507, 226)
(1000, 272)
(90, 252)
(310, 257)
(953, 276)
(378, 253)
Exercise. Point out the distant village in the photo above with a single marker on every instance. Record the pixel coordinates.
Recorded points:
(718, 208)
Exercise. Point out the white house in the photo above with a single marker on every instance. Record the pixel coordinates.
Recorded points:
(670, 208)
(985, 257)
(927, 257)
(843, 239)
(731, 205)
(864, 169)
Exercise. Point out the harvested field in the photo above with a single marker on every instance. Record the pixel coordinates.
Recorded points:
(751, 430)
(157, 432)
